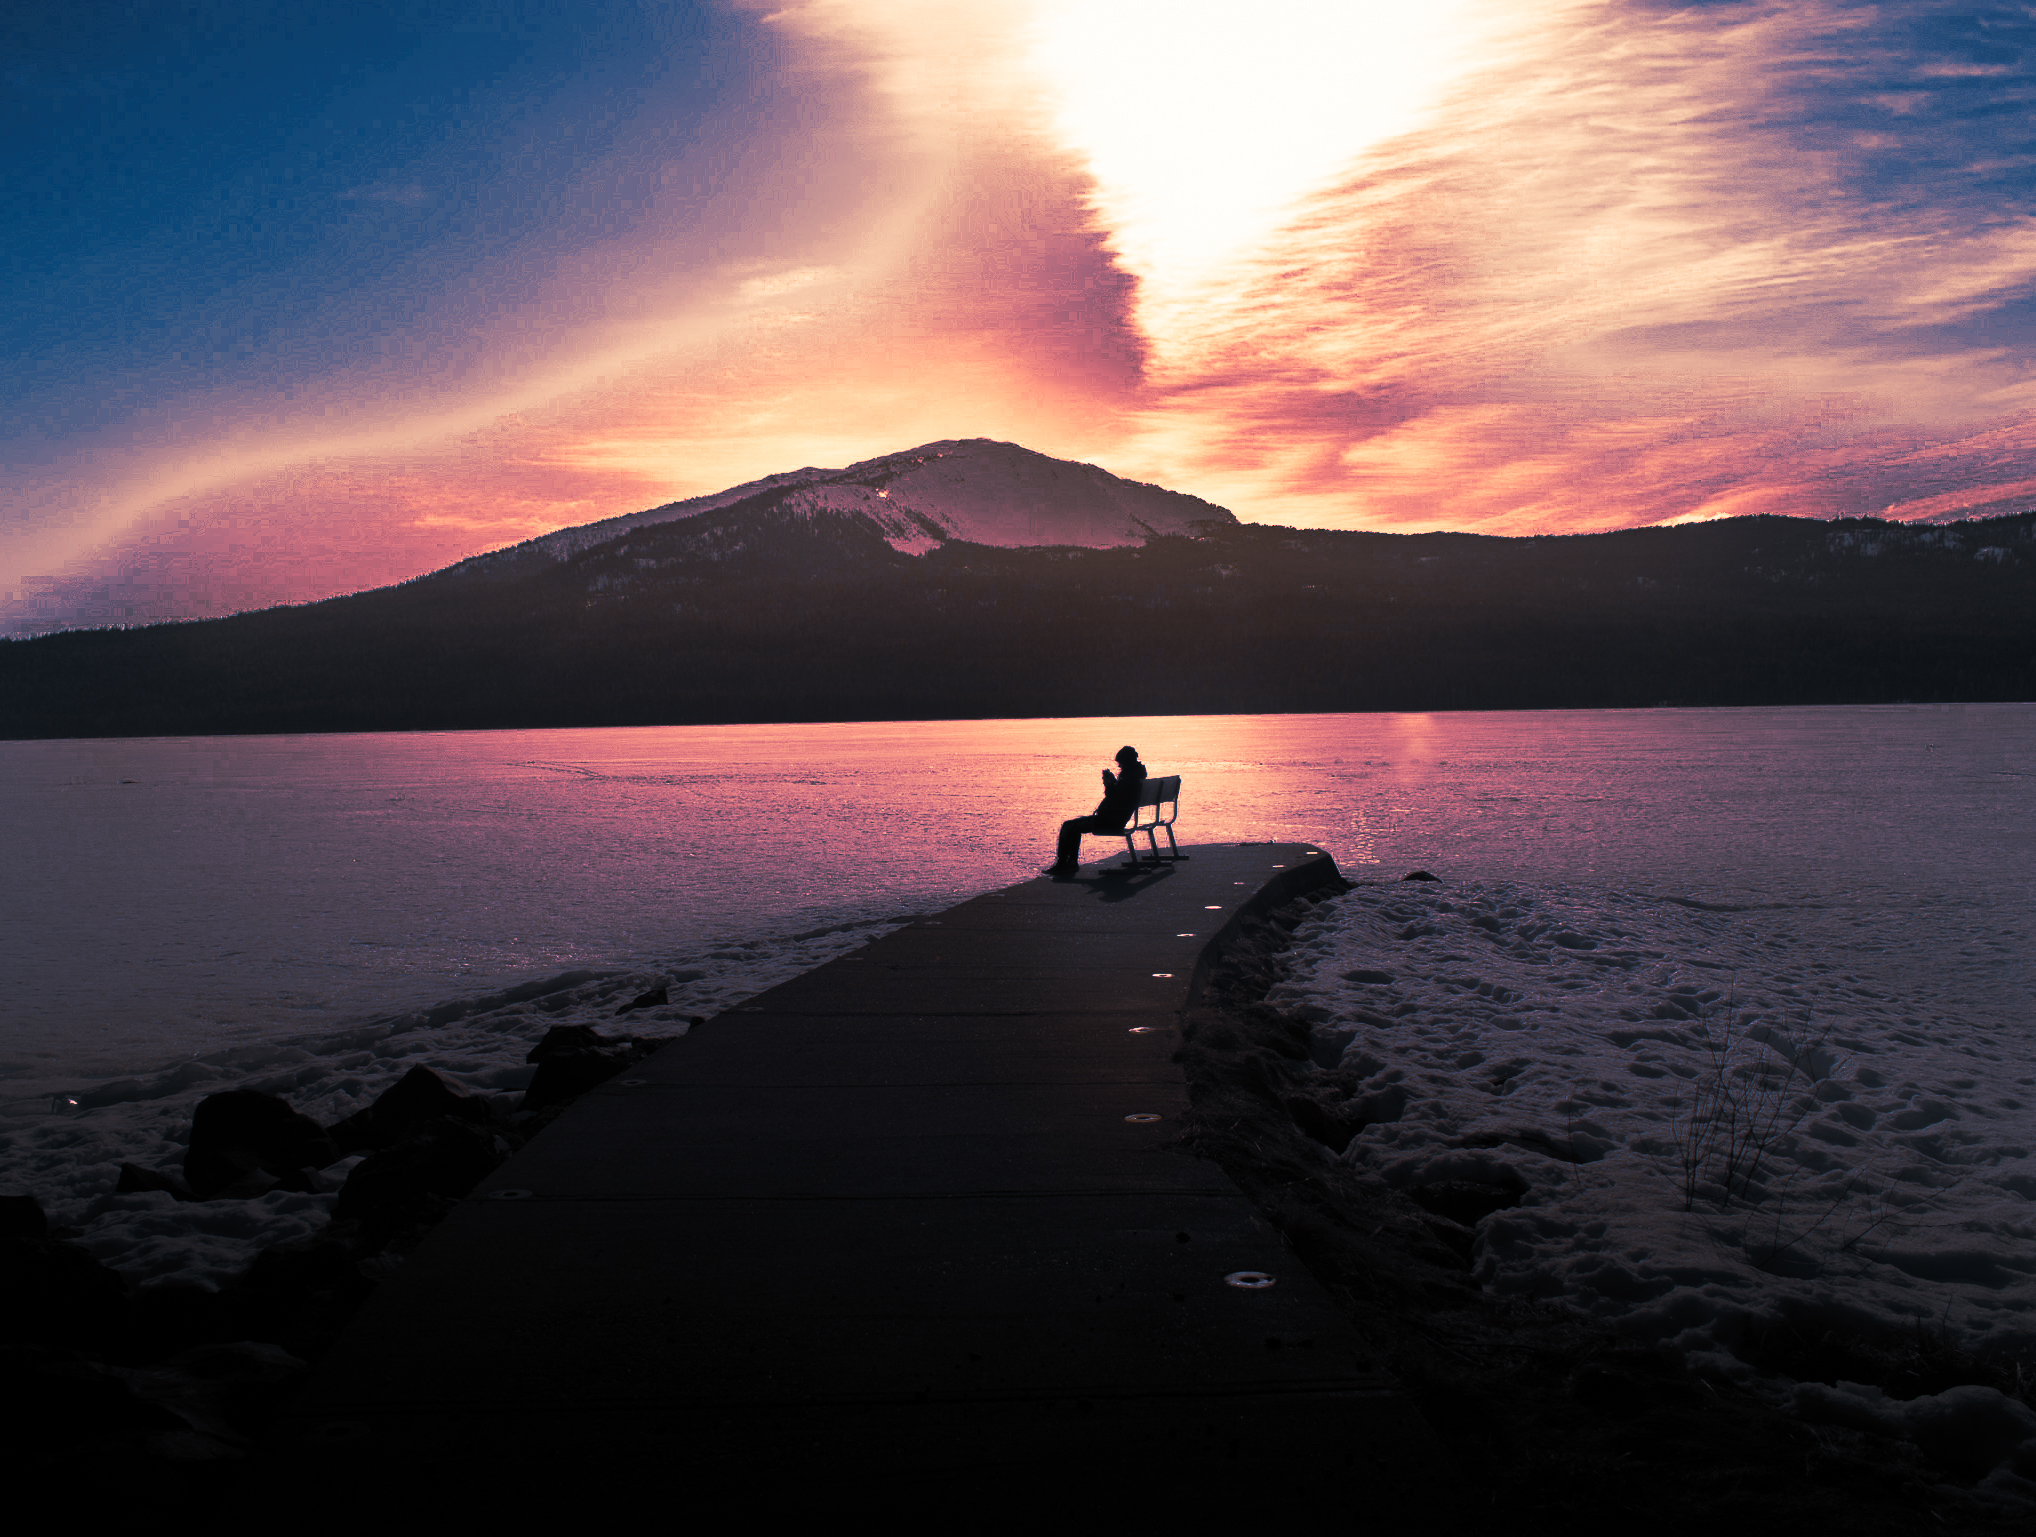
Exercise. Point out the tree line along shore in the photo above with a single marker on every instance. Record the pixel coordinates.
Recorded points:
(781, 616)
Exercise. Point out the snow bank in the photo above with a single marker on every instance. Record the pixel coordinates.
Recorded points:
(1597, 1048)
(66, 1150)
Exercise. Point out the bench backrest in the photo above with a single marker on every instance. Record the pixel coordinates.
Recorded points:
(1156, 793)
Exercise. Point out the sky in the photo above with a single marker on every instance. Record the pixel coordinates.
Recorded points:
(308, 296)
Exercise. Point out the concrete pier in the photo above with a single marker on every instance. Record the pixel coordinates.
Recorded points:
(918, 1218)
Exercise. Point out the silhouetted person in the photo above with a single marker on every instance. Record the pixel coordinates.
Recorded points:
(1118, 806)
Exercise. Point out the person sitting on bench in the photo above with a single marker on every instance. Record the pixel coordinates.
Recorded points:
(1119, 805)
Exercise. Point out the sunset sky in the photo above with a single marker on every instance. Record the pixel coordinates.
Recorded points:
(311, 296)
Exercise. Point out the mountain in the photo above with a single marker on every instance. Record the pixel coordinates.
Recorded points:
(972, 489)
(815, 596)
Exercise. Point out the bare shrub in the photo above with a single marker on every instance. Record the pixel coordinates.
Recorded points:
(1741, 1105)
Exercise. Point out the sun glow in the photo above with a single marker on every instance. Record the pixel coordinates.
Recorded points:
(1207, 122)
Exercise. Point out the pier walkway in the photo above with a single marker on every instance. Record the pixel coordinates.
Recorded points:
(917, 1218)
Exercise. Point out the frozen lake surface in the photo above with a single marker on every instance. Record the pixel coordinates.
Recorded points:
(176, 895)
(316, 915)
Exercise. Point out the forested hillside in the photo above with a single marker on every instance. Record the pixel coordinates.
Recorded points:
(752, 613)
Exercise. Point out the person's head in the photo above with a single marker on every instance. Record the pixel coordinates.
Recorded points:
(1127, 755)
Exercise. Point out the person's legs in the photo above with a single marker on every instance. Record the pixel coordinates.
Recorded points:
(1069, 850)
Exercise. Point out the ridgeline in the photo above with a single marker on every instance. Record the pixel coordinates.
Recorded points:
(754, 612)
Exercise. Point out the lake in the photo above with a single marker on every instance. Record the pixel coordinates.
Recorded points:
(169, 896)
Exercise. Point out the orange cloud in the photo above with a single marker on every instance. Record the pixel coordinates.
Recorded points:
(1548, 265)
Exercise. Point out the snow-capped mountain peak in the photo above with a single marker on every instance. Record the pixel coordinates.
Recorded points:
(971, 489)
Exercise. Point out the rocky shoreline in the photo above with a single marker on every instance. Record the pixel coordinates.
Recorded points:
(179, 1380)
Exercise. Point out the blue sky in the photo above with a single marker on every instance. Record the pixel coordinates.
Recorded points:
(308, 297)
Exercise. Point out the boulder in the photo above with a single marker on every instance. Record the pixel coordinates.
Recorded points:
(21, 1216)
(173, 1317)
(561, 1039)
(418, 1180)
(327, 1259)
(568, 1075)
(416, 1100)
(655, 998)
(302, 1293)
(572, 1059)
(58, 1401)
(56, 1294)
(244, 1141)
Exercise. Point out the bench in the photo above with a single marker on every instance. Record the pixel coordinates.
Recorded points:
(1162, 798)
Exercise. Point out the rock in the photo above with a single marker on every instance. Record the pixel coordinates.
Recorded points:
(302, 1293)
(570, 1074)
(417, 1099)
(655, 998)
(418, 1180)
(170, 1318)
(242, 1135)
(21, 1216)
(58, 1401)
(56, 1294)
(560, 1039)
(228, 1392)
(329, 1258)
(572, 1059)
(1420, 875)
(133, 1177)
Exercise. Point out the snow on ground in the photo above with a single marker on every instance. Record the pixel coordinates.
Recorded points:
(1599, 1048)
(68, 1156)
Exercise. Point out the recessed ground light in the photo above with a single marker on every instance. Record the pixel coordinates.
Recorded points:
(509, 1195)
(1140, 1120)
(1142, 1029)
(1240, 883)
(1184, 936)
(1213, 907)
(1162, 973)
(1248, 1280)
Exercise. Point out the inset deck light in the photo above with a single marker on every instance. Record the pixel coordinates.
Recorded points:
(509, 1195)
(1162, 973)
(1213, 907)
(1248, 1280)
(1184, 936)
(1142, 1029)
(1140, 1119)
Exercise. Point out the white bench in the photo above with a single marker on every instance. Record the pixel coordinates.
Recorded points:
(1161, 797)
